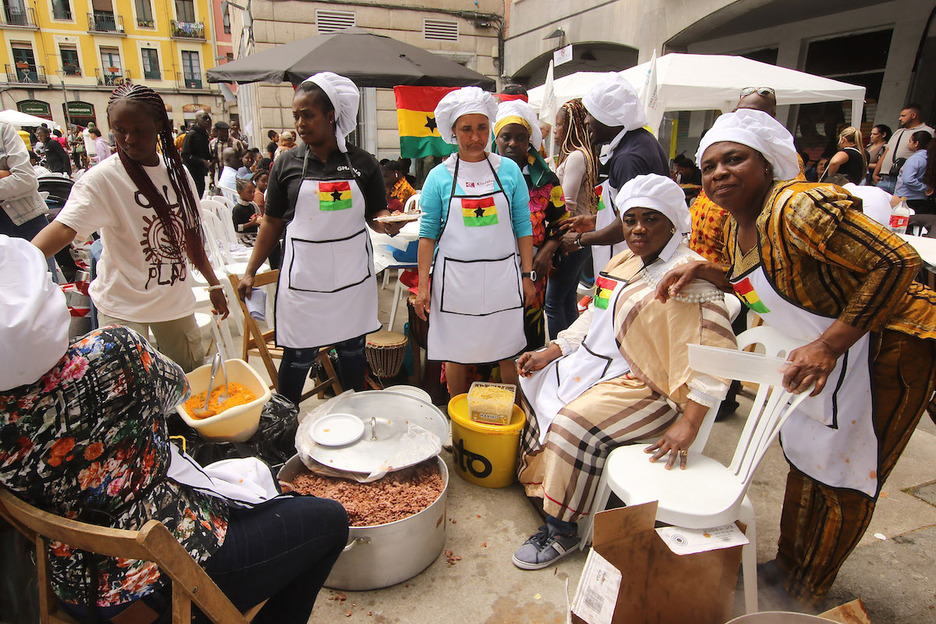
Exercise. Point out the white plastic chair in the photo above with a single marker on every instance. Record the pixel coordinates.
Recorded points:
(412, 204)
(212, 204)
(707, 494)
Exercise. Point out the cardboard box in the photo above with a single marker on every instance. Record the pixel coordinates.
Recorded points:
(658, 586)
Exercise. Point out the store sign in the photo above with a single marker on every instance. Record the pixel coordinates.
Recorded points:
(35, 107)
(80, 109)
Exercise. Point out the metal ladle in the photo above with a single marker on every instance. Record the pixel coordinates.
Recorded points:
(202, 412)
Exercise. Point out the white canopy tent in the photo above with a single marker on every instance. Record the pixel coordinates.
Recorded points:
(18, 119)
(686, 82)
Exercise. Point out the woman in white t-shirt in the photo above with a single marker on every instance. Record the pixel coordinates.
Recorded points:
(145, 208)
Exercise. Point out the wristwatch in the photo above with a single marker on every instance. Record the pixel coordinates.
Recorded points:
(531, 275)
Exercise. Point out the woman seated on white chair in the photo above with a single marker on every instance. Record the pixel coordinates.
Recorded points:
(620, 374)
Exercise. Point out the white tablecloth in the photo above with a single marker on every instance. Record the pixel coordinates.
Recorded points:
(924, 246)
(383, 257)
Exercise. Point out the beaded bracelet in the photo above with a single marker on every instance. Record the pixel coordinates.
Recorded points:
(215, 287)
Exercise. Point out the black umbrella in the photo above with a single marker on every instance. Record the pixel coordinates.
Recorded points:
(369, 59)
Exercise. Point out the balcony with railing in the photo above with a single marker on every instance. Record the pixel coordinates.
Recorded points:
(25, 73)
(112, 76)
(105, 22)
(186, 81)
(18, 16)
(187, 30)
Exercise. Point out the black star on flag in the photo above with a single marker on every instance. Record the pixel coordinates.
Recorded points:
(431, 123)
(479, 211)
(336, 195)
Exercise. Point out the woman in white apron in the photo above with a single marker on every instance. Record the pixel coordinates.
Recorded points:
(620, 373)
(475, 208)
(817, 269)
(324, 193)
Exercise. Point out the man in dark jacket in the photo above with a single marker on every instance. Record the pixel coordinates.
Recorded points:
(195, 152)
(56, 157)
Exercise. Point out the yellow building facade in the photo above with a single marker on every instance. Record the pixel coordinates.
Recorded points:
(62, 58)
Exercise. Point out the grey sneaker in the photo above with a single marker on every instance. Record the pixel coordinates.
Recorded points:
(544, 548)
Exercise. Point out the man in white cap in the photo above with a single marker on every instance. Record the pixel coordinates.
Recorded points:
(615, 120)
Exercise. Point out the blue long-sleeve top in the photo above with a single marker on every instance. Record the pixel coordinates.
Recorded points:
(437, 189)
(910, 181)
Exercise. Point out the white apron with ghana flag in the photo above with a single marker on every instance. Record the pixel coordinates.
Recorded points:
(597, 359)
(829, 437)
(327, 291)
(607, 213)
(476, 310)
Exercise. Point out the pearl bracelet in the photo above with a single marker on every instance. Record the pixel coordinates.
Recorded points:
(215, 287)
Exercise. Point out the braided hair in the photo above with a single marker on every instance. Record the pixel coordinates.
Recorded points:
(577, 138)
(188, 204)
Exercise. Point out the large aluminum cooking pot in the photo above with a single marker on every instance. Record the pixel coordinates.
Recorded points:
(386, 554)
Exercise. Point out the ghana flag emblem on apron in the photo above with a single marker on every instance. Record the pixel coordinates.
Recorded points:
(478, 212)
(334, 195)
(599, 191)
(745, 290)
(603, 289)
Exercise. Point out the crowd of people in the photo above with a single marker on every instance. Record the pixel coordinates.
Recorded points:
(506, 238)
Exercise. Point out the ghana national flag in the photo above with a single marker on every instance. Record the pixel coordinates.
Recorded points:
(334, 195)
(745, 290)
(603, 289)
(416, 119)
(599, 191)
(478, 212)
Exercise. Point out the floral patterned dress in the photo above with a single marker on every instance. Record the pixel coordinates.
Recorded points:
(88, 441)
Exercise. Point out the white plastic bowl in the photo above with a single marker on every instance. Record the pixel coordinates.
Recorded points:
(236, 424)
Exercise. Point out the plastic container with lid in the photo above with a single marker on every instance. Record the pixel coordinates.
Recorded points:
(491, 403)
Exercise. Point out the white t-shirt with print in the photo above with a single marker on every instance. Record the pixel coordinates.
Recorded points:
(139, 277)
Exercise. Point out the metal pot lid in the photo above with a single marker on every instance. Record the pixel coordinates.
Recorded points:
(388, 417)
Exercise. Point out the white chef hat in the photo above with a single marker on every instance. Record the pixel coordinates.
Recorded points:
(34, 318)
(519, 112)
(757, 130)
(464, 101)
(659, 193)
(344, 96)
(614, 102)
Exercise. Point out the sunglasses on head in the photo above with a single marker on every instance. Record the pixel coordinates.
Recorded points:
(763, 91)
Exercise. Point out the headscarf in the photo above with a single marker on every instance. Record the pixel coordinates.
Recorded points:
(759, 131)
(344, 96)
(519, 112)
(34, 318)
(659, 193)
(464, 101)
(614, 102)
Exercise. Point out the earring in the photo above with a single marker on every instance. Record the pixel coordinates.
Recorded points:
(672, 230)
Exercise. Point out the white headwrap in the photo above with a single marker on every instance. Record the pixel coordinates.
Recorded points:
(659, 193)
(518, 111)
(34, 318)
(464, 101)
(614, 102)
(344, 96)
(759, 131)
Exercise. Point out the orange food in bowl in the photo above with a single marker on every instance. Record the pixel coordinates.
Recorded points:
(239, 396)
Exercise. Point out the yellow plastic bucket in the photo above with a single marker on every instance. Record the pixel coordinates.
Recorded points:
(484, 454)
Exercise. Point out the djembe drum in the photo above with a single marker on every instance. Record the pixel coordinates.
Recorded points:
(385, 351)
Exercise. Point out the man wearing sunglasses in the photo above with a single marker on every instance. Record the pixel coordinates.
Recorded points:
(759, 98)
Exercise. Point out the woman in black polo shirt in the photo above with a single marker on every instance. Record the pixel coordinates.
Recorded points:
(323, 193)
